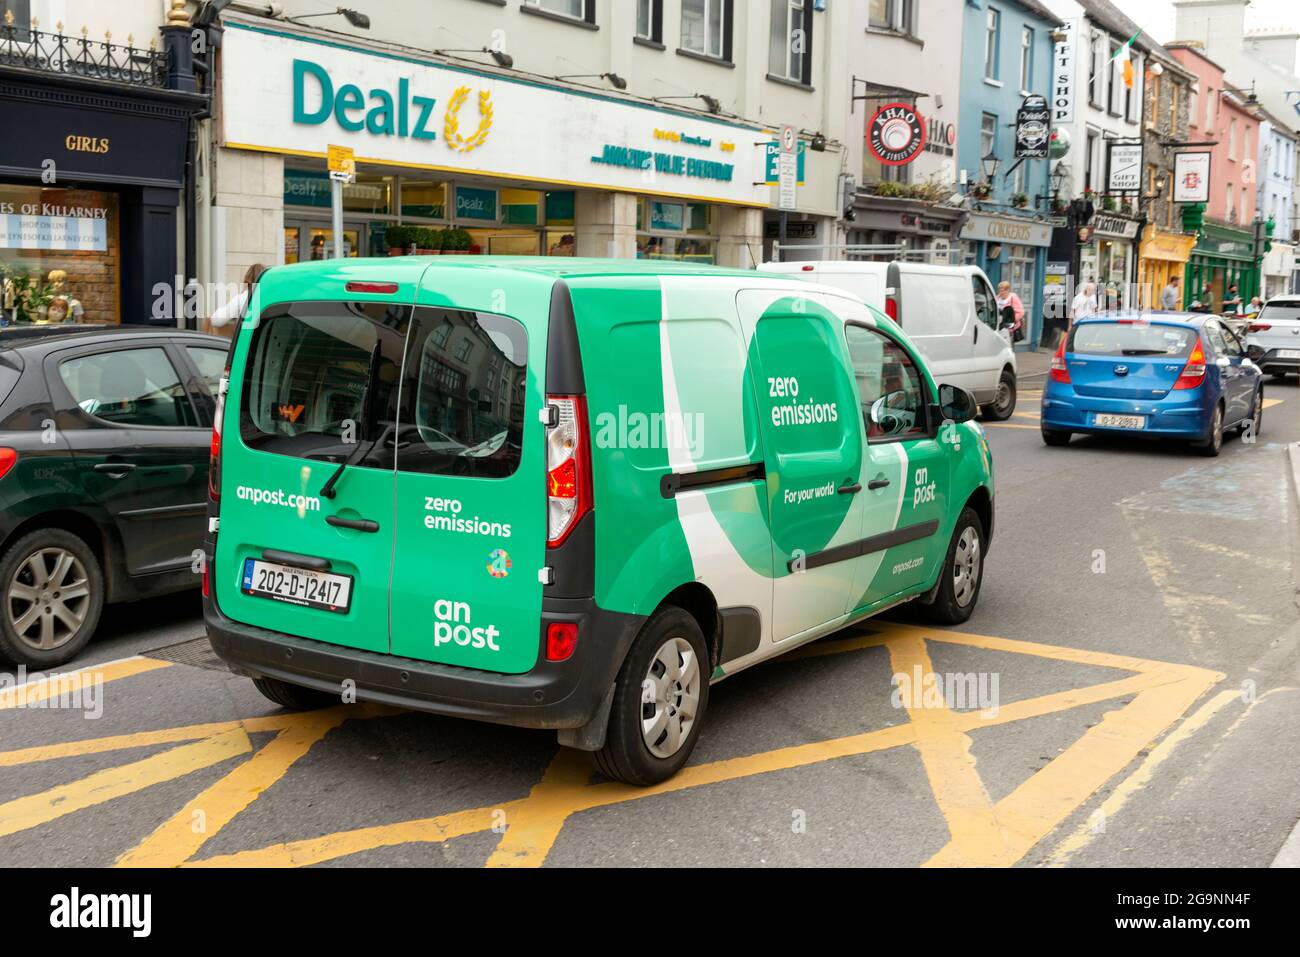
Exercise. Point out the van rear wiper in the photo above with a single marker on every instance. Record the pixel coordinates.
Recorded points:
(362, 449)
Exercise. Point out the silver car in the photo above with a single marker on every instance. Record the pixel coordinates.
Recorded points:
(1273, 337)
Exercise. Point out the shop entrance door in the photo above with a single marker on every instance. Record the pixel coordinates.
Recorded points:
(305, 240)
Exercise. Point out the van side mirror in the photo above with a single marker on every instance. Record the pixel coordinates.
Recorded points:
(956, 404)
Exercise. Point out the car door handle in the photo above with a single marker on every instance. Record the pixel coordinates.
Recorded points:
(876, 484)
(355, 524)
(117, 469)
(853, 489)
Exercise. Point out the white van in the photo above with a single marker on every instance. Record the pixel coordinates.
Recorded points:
(949, 312)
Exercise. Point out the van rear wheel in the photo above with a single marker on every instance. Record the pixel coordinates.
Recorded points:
(659, 702)
(295, 697)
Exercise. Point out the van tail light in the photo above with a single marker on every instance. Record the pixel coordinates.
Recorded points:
(1259, 327)
(373, 288)
(568, 467)
(1060, 371)
(891, 308)
(207, 591)
(561, 640)
(214, 450)
(1193, 373)
(7, 459)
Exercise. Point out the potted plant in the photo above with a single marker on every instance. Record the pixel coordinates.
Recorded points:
(456, 242)
(24, 293)
(428, 241)
(1108, 203)
(1020, 200)
(981, 190)
(399, 239)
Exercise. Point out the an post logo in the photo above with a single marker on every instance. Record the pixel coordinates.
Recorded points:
(453, 623)
(923, 489)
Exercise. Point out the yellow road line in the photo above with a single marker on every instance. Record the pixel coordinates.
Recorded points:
(36, 690)
(37, 809)
(1140, 778)
(1269, 403)
(178, 839)
(533, 828)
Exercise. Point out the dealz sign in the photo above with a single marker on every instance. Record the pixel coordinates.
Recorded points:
(896, 134)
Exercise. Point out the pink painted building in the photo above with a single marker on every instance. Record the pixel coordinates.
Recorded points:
(1218, 114)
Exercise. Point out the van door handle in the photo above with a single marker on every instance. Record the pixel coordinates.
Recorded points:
(853, 489)
(355, 524)
(977, 332)
(879, 483)
(116, 469)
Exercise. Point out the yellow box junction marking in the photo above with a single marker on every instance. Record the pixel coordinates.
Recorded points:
(981, 832)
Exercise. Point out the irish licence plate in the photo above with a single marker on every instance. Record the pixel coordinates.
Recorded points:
(1120, 421)
(297, 586)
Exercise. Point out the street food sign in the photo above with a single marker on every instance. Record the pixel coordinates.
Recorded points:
(896, 134)
(1192, 177)
(1033, 128)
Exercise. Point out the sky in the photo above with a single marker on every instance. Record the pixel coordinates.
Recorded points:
(1156, 17)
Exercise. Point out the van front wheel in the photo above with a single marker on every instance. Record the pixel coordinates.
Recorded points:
(295, 697)
(1004, 400)
(962, 573)
(659, 701)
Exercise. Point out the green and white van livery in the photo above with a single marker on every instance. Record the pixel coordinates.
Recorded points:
(573, 494)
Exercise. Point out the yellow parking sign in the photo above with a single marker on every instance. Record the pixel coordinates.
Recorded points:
(342, 163)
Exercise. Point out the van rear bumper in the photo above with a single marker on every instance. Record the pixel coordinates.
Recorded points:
(553, 695)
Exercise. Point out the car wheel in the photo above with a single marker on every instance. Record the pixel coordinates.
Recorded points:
(295, 697)
(962, 574)
(1055, 438)
(1004, 401)
(1255, 423)
(1212, 444)
(53, 595)
(659, 702)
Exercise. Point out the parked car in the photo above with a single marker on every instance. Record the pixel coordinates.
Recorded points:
(949, 313)
(1273, 337)
(1158, 375)
(647, 477)
(104, 441)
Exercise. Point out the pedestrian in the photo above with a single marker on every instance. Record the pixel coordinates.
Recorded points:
(225, 320)
(1011, 311)
(1232, 301)
(1169, 298)
(1253, 308)
(1085, 302)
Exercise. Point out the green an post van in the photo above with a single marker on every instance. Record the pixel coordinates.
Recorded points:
(573, 494)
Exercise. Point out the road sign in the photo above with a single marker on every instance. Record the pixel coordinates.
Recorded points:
(342, 164)
(787, 170)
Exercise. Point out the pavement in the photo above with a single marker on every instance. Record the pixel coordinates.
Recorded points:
(1124, 696)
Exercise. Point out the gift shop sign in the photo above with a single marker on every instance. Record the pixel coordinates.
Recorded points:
(296, 95)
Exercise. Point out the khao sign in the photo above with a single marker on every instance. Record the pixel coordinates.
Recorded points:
(294, 94)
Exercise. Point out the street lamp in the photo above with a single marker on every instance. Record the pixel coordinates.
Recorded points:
(989, 165)
(1060, 173)
(503, 59)
(358, 20)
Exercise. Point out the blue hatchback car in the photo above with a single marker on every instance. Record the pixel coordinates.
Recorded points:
(1160, 375)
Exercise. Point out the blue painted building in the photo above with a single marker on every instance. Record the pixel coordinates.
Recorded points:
(1007, 52)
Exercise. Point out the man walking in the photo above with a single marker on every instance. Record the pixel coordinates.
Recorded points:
(1169, 295)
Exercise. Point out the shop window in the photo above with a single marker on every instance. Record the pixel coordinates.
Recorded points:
(561, 208)
(60, 259)
(370, 194)
(706, 28)
(422, 199)
(520, 207)
(584, 10)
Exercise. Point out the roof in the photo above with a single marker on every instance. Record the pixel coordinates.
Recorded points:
(410, 268)
(16, 336)
(1040, 11)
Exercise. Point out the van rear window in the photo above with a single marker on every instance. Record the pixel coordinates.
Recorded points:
(1132, 339)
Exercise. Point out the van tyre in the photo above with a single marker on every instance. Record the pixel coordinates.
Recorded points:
(295, 697)
(1004, 401)
(53, 593)
(1055, 438)
(659, 702)
(1212, 444)
(962, 573)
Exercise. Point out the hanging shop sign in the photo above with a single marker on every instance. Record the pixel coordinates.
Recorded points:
(1063, 75)
(1125, 166)
(1192, 177)
(1033, 128)
(298, 95)
(896, 134)
(1023, 232)
(1114, 226)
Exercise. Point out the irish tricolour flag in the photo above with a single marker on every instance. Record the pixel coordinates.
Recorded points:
(1124, 54)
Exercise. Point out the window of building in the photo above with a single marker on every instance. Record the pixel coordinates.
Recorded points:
(1116, 78)
(1091, 163)
(1026, 59)
(992, 32)
(706, 28)
(790, 53)
(60, 260)
(1155, 100)
(1232, 139)
(1132, 105)
(1096, 70)
(1210, 100)
(891, 15)
(988, 134)
(1194, 105)
(584, 10)
(1232, 212)
(650, 20)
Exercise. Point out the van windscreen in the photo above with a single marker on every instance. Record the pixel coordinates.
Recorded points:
(323, 376)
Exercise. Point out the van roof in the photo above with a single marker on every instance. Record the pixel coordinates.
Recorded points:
(408, 268)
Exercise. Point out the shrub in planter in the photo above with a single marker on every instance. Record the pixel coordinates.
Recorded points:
(428, 241)
(456, 242)
(400, 239)
(1020, 200)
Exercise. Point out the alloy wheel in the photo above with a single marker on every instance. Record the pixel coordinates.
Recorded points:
(48, 598)
(966, 566)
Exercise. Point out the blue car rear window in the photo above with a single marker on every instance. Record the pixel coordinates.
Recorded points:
(1132, 339)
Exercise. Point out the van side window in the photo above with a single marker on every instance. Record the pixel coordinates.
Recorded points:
(463, 395)
(322, 377)
(890, 387)
(986, 306)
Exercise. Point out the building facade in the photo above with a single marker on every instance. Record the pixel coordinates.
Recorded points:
(1006, 70)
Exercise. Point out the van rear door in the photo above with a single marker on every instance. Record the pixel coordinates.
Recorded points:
(471, 493)
(316, 403)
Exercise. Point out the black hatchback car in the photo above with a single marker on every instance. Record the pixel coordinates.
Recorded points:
(105, 434)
